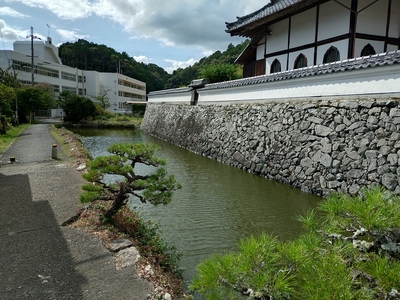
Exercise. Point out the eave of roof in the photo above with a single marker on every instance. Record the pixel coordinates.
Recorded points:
(377, 60)
(248, 25)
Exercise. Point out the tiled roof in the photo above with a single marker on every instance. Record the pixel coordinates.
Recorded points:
(269, 9)
(171, 91)
(377, 60)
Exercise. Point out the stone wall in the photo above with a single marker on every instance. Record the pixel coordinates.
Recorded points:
(320, 147)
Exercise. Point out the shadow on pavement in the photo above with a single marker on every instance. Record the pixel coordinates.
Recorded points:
(34, 259)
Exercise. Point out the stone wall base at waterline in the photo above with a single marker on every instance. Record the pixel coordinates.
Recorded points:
(319, 146)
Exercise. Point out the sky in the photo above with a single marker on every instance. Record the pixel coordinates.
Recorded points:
(169, 33)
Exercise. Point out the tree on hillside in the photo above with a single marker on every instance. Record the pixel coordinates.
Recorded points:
(220, 72)
(183, 77)
(90, 56)
(155, 188)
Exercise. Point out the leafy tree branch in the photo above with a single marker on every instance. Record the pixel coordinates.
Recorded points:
(155, 188)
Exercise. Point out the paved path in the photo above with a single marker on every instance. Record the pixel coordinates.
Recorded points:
(39, 258)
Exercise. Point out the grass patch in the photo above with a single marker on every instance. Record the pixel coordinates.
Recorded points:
(10, 136)
(71, 145)
(119, 121)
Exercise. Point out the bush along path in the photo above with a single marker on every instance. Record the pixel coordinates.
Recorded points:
(351, 250)
(133, 240)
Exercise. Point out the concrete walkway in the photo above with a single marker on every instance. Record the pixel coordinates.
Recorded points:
(39, 258)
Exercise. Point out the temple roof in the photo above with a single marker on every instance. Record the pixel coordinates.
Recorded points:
(377, 60)
(246, 25)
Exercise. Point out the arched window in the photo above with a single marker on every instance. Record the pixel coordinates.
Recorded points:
(368, 50)
(301, 61)
(276, 66)
(331, 55)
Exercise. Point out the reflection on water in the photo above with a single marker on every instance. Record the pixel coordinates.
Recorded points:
(217, 205)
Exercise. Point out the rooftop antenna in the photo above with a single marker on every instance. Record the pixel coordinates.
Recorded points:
(48, 30)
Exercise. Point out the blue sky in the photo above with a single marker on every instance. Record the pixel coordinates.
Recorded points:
(169, 33)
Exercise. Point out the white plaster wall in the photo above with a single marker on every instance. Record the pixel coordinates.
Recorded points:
(342, 46)
(376, 12)
(395, 20)
(278, 39)
(361, 43)
(309, 53)
(333, 19)
(173, 97)
(392, 48)
(303, 28)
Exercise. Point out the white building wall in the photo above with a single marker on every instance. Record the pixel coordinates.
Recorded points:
(109, 82)
(92, 84)
(334, 19)
(394, 30)
(378, 13)
(90, 87)
(302, 30)
(116, 92)
(278, 39)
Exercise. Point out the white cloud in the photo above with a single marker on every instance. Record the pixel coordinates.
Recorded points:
(170, 27)
(179, 64)
(71, 9)
(8, 11)
(10, 34)
(181, 23)
(70, 35)
(173, 23)
(142, 58)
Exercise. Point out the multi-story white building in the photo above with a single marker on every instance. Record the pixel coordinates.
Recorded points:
(121, 90)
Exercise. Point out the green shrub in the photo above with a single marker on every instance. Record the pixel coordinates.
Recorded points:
(350, 251)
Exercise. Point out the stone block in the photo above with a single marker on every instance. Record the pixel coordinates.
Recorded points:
(390, 181)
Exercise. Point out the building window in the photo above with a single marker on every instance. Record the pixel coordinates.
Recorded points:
(301, 61)
(276, 66)
(68, 76)
(69, 89)
(331, 55)
(368, 50)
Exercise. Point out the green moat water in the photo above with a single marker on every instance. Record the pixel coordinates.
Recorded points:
(217, 205)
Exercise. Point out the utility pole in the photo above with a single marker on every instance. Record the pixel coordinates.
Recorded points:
(32, 70)
(32, 56)
(16, 96)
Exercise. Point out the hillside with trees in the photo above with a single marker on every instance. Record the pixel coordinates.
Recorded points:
(90, 56)
(93, 57)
